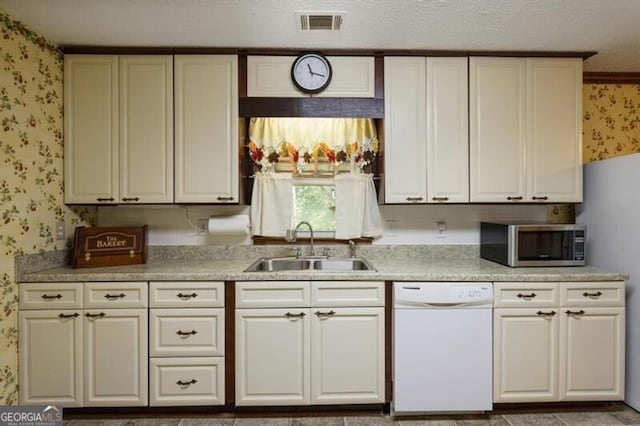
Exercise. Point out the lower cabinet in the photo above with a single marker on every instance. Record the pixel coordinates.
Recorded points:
(325, 348)
(559, 341)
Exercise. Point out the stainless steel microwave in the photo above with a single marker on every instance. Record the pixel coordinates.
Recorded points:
(518, 244)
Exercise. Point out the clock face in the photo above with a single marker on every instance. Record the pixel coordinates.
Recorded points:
(311, 73)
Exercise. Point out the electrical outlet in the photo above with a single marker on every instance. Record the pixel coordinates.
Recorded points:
(441, 229)
(202, 226)
(60, 230)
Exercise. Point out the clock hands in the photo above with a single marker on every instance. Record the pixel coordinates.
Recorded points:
(313, 73)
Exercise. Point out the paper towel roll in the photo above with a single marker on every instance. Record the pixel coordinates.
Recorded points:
(229, 226)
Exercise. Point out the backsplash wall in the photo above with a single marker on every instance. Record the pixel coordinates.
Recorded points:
(413, 224)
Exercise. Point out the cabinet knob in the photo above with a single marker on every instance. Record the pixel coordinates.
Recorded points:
(73, 315)
(577, 313)
(518, 198)
(101, 199)
(186, 333)
(546, 314)
(114, 296)
(186, 296)
(190, 382)
(225, 198)
(412, 199)
(130, 199)
(100, 315)
(49, 297)
(526, 296)
(440, 199)
(592, 295)
(290, 315)
(540, 198)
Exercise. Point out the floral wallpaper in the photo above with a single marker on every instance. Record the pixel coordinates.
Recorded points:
(31, 172)
(611, 124)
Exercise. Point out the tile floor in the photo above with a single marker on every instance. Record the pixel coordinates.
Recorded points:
(612, 414)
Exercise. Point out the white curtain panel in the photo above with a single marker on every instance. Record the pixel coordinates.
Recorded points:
(271, 203)
(357, 211)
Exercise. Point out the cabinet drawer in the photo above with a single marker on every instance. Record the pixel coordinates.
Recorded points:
(50, 296)
(599, 293)
(186, 332)
(186, 381)
(526, 294)
(116, 295)
(273, 294)
(187, 294)
(347, 293)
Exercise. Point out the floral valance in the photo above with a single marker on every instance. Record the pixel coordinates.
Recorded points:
(303, 141)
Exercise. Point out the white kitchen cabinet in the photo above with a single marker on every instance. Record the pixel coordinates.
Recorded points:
(115, 357)
(405, 130)
(556, 349)
(118, 129)
(325, 349)
(347, 361)
(525, 354)
(270, 76)
(206, 129)
(525, 129)
(554, 130)
(91, 132)
(273, 356)
(497, 110)
(146, 129)
(186, 381)
(50, 357)
(447, 130)
(186, 332)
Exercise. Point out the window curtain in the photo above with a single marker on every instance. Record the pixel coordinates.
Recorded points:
(357, 211)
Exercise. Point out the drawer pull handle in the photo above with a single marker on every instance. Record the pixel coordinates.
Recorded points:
(73, 315)
(440, 199)
(100, 315)
(48, 297)
(526, 296)
(186, 296)
(190, 382)
(325, 314)
(518, 198)
(540, 198)
(186, 333)
(290, 315)
(225, 198)
(579, 313)
(104, 199)
(546, 314)
(592, 295)
(114, 296)
(130, 199)
(414, 198)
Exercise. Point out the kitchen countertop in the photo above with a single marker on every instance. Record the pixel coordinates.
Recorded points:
(388, 268)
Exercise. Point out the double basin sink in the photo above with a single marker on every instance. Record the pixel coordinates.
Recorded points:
(277, 264)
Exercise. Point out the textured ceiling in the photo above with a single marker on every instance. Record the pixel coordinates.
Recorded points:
(610, 27)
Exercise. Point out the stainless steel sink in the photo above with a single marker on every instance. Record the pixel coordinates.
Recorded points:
(275, 264)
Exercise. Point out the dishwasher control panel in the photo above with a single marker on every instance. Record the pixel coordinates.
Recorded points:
(442, 294)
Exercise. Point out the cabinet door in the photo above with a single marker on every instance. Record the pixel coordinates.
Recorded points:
(146, 129)
(497, 129)
(592, 350)
(525, 355)
(347, 366)
(206, 128)
(405, 130)
(50, 356)
(554, 130)
(115, 357)
(90, 129)
(272, 356)
(447, 130)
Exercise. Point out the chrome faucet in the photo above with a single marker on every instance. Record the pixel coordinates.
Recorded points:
(292, 235)
(352, 248)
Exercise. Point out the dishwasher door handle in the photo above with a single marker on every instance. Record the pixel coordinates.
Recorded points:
(443, 304)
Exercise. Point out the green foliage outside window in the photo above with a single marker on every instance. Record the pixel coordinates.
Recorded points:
(316, 204)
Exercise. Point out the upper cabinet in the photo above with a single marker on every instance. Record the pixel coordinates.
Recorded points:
(206, 129)
(118, 129)
(426, 130)
(525, 129)
(270, 76)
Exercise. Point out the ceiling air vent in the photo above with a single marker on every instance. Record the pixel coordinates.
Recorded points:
(313, 21)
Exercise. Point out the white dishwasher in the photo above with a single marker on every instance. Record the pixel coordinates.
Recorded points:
(442, 347)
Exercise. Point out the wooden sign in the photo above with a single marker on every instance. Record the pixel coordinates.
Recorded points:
(109, 246)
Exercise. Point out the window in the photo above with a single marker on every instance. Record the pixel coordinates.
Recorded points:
(315, 204)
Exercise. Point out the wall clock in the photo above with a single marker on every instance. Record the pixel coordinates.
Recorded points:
(311, 72)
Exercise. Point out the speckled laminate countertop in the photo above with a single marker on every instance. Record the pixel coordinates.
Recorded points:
(388, 268)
